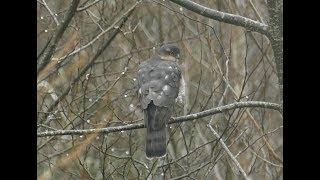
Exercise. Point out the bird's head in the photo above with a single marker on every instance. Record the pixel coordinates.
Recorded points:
(169, 52)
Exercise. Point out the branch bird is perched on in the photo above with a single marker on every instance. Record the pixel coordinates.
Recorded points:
(159, 83)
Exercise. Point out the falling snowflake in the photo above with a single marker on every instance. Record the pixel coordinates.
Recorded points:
(181, 8)
(127, 152)
(131, 107)
(41, 17)
(165, 88)
(45, 30)
(87, 76)
(88, 121)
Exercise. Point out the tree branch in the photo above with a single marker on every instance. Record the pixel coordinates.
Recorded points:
(276, 37)
(273, 31)
(225, 147)
(224, 17)
(50, 12)
(84, 7)
(89, 44)
(44, 59)
(91, 62)
(190, 117)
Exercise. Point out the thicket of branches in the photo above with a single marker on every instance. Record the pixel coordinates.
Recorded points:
(89, 124)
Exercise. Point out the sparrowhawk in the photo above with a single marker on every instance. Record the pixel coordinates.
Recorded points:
(158, 83)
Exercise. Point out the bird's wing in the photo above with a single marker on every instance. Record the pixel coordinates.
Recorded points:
(159, 81)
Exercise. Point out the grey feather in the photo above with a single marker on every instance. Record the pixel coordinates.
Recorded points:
(158, 87)
(152, 79)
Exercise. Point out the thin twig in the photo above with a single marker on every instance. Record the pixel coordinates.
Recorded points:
(112, 26)
(87, 6)
(256, 12)
(228, 152)
(90, 64)
(224, 17)
(51, 13)
(44, 59)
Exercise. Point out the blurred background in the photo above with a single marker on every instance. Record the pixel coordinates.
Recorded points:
(89, 82)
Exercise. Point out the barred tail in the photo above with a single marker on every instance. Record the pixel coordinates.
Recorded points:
(156, 119)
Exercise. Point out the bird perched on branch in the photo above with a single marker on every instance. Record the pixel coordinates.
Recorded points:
(158, 83)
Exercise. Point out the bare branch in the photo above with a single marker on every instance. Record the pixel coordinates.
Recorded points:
(224, 17)
(272, 31)
(112, 26)
(276, 37)
(87, 6)
(44, 59)
(256, 12)
(84, 70)
(189, 117)
(225, 147)
(51, 13)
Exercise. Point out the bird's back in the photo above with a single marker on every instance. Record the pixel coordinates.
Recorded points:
(158, 80)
